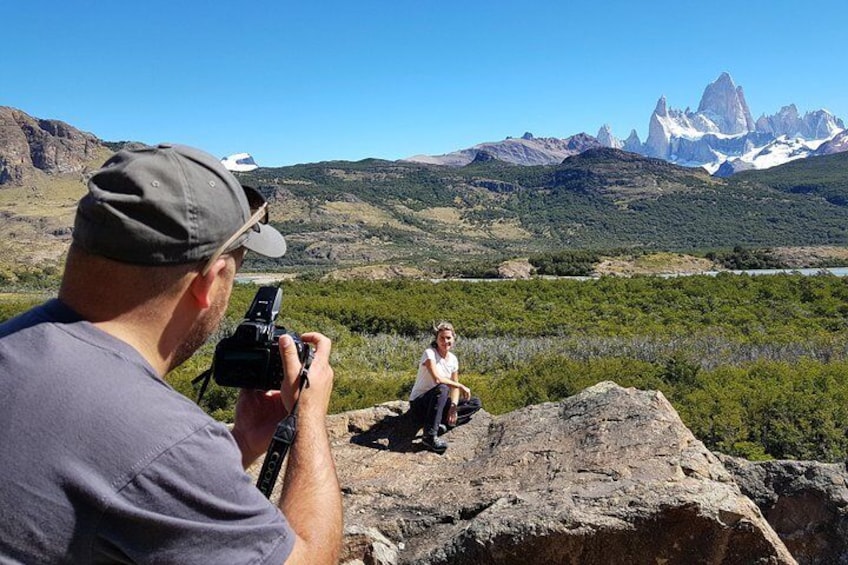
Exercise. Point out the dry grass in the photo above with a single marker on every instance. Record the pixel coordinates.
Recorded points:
(509, 229)
(443, 215)
(810, 256)
(364, 213)
(450, 221)
(654, 264)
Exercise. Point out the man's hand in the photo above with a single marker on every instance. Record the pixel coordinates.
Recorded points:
(258, 412)
(317, 397)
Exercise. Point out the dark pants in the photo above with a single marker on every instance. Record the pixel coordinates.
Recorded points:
(466, 408)
(431, 407)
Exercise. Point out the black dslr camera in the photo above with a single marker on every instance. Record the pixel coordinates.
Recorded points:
(250, 357)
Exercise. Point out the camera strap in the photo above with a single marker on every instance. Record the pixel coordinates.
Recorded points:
(282, 440)
(203, 378)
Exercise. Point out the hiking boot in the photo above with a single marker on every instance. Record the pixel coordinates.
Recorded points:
(443, 429)
(434, 444)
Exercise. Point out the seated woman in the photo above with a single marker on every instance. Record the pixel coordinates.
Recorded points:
(438, 400)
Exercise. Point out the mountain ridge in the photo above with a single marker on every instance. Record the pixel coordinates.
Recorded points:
(720, 135)
(439, 220)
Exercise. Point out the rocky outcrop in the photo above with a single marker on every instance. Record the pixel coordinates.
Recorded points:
(806, 502)
(610, 475)
(516, 269)
(28, 144)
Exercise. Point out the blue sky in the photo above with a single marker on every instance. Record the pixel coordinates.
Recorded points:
(312, 81)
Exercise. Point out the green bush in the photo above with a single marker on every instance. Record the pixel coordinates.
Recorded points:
(756, 366)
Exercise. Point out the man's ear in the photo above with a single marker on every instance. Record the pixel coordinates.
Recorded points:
(202, 286)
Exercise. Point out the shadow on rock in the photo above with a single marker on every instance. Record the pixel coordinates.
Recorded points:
(394, 432)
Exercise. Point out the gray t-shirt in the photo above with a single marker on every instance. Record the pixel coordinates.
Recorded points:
(101, 461)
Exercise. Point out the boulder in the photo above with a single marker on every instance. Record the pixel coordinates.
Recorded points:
(516, 269)
(610, 475)
(806, 502)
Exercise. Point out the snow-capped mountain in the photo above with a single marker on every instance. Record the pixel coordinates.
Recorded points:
(720, 136)
(239, 163)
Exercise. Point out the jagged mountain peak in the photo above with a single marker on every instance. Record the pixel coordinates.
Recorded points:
(633, 143)
(724, 104)
(722, 129)
(607, 139)
(662, 107)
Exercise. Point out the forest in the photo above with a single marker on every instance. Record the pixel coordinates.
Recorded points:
(757, 366)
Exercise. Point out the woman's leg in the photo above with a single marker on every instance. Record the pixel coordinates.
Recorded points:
(466, 409)
(439, 398)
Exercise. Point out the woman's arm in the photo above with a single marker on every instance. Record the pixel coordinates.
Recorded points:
(452, 382)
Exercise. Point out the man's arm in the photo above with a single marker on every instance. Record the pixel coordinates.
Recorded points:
(311, 498)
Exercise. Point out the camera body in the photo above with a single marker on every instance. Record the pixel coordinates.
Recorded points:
(250, 357)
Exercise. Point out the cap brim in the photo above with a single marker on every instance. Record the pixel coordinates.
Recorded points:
(267, 241)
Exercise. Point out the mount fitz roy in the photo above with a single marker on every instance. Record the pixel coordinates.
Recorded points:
(721, 136)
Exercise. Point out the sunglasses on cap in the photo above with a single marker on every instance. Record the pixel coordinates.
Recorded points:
(259, 215)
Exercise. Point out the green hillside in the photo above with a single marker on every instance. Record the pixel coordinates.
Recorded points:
(338, 213)
(445, 221)
(825, 177)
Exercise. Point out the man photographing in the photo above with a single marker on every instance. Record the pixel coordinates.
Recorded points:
(102, 461)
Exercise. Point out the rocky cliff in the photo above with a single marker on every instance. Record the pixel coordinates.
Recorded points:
(610, 475)
(29, 144)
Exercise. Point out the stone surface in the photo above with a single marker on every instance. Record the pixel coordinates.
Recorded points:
(806, 502)
(610, 475)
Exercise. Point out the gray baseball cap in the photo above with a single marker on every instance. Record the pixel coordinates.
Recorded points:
(170, 204)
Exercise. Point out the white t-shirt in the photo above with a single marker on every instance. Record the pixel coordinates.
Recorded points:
(445, 366)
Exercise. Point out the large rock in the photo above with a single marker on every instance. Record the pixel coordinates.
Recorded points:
(610, 475)
(806, 502)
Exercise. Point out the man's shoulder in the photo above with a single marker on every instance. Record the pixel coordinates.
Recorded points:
(46, 312)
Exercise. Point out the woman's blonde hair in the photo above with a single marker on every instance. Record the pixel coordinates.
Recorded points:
(439, 327)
